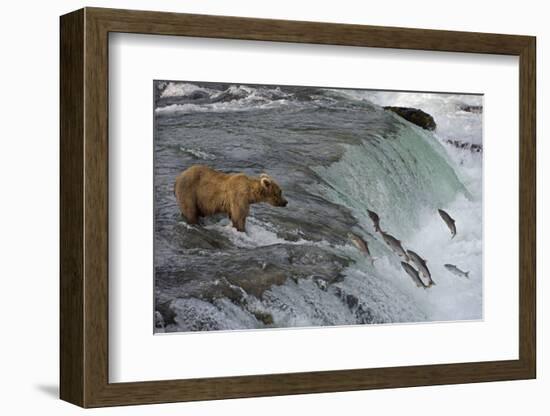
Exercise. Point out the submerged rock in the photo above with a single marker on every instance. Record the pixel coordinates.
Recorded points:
(415, 116)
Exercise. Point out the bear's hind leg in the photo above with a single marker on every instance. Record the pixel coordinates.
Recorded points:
(238, 216)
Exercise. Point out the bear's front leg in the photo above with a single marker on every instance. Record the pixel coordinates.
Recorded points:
(239, 225)
(238, 214)
(190, 215)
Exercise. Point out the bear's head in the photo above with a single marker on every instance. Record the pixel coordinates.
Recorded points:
(271, 192)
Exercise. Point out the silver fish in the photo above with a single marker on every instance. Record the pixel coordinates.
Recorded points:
(455, 270)
(375, 220)
(420, 264)
(395, 245)
(361, 245)
(448, 221)
(413, 273)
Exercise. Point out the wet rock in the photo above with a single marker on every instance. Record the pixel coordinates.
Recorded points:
(264, 317)
(159, 320)
(164, 314)
(415, 116)
(351, 301)
(233, 274)
(320, 282)
(190, 237)
(474, 148)
(198, 95)
(255, 283)
(365, 315)
(324, 281)
(477, 109)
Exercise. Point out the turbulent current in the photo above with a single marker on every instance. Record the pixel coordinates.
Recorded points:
(335, 154)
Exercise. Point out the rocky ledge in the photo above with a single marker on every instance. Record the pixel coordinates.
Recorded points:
(415, 116)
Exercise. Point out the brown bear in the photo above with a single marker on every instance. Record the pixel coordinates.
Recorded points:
(202, 191)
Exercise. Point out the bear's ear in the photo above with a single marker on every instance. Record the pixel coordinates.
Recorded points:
(265, 181)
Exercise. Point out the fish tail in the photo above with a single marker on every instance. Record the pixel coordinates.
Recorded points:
(467, 275)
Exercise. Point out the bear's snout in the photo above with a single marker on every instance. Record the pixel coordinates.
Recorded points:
(283, 203)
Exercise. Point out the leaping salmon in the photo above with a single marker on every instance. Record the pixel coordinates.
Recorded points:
(375, 220)
(413, 273)
(456, 271)
(395, 245)
(420, 264)
(361, 245)
(448, 221)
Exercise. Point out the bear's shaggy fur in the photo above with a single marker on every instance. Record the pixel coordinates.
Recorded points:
(202, 191)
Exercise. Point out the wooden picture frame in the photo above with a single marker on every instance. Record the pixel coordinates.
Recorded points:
(84, 207)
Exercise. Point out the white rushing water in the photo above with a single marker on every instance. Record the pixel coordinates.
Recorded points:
(448, 110)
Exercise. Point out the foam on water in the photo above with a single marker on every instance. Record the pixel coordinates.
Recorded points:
(190, 98)
(220, 107)
(183, 89)
(257, 234)
(198, 153)
(452, 298)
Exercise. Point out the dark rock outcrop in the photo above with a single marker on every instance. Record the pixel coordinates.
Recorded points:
(415, 116)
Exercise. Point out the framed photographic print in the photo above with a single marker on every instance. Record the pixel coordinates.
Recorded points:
(256, 207)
